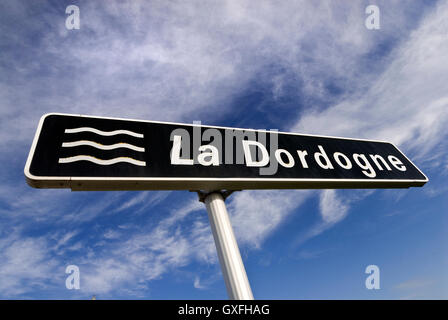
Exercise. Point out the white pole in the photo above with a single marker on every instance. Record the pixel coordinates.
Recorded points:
(232, 266)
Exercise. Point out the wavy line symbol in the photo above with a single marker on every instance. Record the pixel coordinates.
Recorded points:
(102, 147)
(102, 162)
(104, 133)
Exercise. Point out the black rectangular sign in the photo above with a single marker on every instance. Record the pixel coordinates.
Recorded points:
(96, 153)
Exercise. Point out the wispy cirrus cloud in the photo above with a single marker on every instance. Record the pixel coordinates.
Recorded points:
(256, 214)
(143, 200)
(408, 102)
(27, 264)
(418, 288)
(332, 209)
(148, 254)
(177, 60)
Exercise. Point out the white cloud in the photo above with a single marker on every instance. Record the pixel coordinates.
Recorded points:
(256, 214)
(414, 284)
(183, 237)
(419, 288)
(112, 234)
(197, 283)
(307, 255)
(148, 254)
(25, 263)
(176, 60)
(65, 239)
(407, 104)
(332, 208)
(144, 199)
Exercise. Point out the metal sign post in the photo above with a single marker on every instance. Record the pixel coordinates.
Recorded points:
(234, 273)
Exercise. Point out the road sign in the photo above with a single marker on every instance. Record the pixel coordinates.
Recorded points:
(97, 153)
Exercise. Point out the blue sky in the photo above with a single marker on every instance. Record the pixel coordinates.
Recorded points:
(301, 66)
